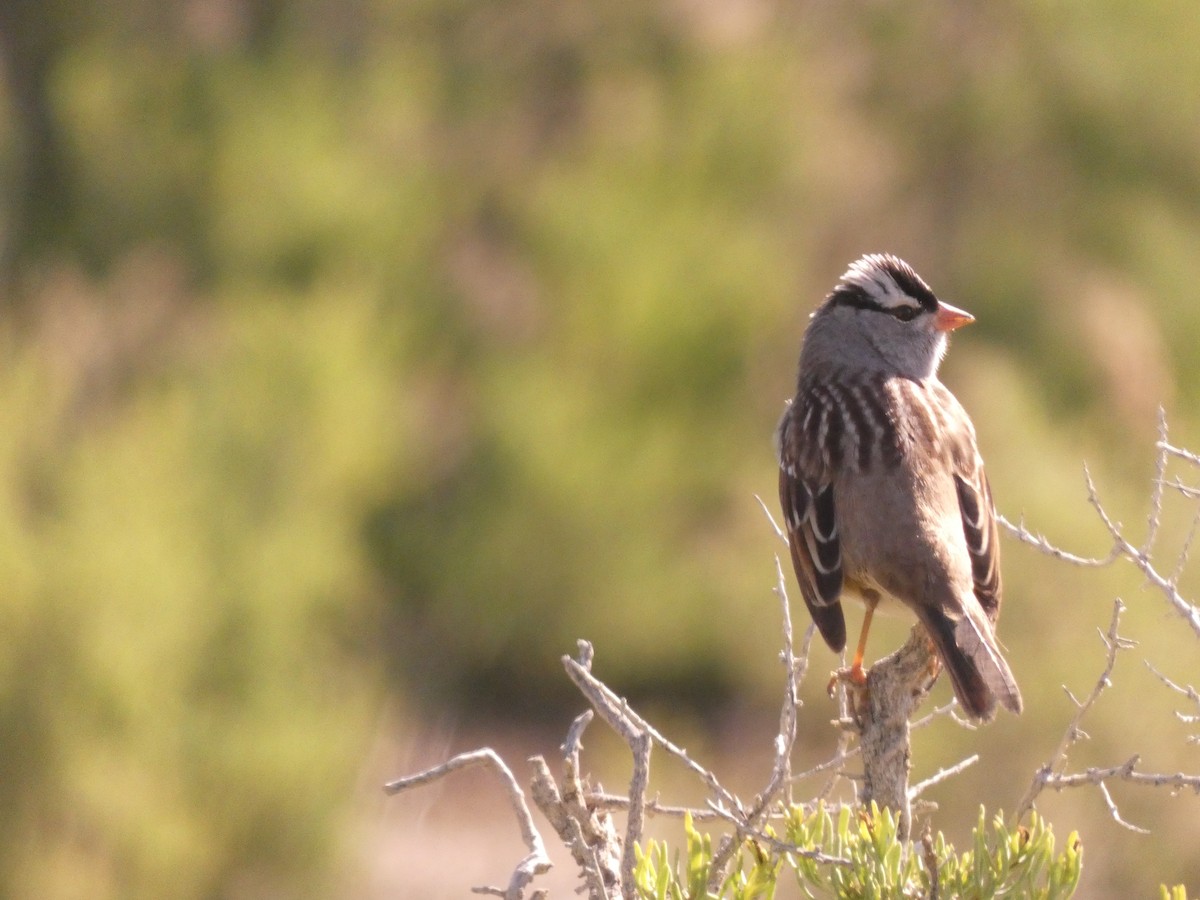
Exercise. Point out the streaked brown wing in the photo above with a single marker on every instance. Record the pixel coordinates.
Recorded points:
(810, 520)
(979, 526)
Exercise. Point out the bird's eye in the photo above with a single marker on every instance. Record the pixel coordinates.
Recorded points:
(905, 313)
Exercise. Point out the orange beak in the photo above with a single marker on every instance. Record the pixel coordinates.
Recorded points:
(950, 317)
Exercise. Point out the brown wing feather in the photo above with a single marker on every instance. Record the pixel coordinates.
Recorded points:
(811, 523)
(979, 526)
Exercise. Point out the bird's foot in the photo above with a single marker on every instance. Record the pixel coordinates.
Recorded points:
(854, 675)
(858, 697)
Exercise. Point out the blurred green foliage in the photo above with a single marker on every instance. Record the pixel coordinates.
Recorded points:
(871, 861)
(364, 354)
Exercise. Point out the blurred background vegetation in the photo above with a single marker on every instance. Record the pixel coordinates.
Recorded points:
(360, 355)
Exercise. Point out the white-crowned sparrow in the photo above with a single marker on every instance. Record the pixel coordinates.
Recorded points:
(883, 490)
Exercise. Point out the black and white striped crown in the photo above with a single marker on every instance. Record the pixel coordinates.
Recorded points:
(883, 281)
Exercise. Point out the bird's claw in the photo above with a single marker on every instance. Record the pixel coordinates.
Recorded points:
(855, 675)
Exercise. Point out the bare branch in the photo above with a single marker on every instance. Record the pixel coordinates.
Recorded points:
(1191, 492)
(1023, 534)
(537, 862)
(785, 740)
(590, 838)
(637, 811)
(947, 709)
(1121, 547)
(770, 518)
(941, 775)
(1187, 691)
(574, 740)
(627, 723)
(1179, 453)
(1156, 487)
(1115, 643)
(841, 756)
(1127, 771)
(1116, 813)
(1186, 549)
(652, 807)
(1051, 775)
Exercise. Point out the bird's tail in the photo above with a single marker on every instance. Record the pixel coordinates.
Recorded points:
(967, 646)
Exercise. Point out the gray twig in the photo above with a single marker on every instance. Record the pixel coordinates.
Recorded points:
(653, 807)
(537, 862)
(1127, 771)
(590, 838)
(1050, 770)
(770, 518)
(628, 724)
(941, 775)
(1122, 548)
(1187, 691)
(785, 740)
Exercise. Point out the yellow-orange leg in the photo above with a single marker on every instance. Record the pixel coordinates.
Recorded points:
(856, 673)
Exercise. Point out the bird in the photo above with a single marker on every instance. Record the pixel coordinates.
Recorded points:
(881, 483)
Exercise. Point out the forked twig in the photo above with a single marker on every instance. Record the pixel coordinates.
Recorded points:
(1122, 547)
(537, 862)
(1049, 772)
(785, 740)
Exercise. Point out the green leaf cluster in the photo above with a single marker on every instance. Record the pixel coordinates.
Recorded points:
(753, 874)
(862, 856)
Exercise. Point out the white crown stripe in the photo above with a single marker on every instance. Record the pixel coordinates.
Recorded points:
(874, 275)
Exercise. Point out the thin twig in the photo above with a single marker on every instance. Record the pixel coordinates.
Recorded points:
(1186, 549)
(1023, 534)
(946, 709)
(1191, 491)
(1116, 813)
(770, 518)
(941, 775)
(537, 862)
(785, 740)
(1186, 690)
(1156, 487)
(627, 723)
(839, 759)
(1115, 643)
(1179, 452)
(1126, 771)
(653, 807)
(1121, 547)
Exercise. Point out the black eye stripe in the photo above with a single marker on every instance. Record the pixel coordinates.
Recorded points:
(850, 295)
